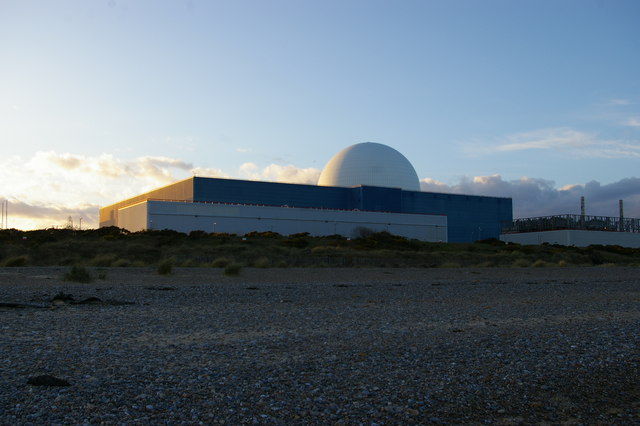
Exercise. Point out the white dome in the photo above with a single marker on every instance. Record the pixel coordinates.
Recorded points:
(371, 164)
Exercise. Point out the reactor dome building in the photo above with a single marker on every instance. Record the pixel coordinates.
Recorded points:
(366, 185)
(371, 164)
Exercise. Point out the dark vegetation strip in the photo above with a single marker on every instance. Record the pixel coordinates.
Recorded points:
(111, 246)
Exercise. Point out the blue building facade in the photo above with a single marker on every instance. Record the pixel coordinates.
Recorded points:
(469, 217)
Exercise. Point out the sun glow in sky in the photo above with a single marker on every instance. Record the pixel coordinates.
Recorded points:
(534, 100)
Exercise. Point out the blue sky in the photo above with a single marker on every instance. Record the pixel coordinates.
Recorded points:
(535, 100)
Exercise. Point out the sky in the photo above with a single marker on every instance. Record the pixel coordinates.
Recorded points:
(101, 100)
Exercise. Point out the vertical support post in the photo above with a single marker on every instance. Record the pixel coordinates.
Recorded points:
(621, 227)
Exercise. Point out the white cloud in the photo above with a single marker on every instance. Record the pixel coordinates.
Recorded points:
(565, 139)
(559, 138)
(619, 102)
(432, 185)
(633, 122)
(46, 189)
(539, 197)
(208, 172)
(291, 174)
(243, 150)
(278, 173)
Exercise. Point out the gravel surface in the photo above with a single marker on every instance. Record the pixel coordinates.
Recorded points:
(322, 346)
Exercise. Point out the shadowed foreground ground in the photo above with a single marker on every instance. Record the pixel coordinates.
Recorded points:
(276, 346)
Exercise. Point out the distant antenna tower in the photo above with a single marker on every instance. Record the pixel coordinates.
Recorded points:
(69, 222)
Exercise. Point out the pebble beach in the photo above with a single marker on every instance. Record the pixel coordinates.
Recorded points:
(370, 346)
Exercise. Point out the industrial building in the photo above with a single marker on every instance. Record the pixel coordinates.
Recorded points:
(575, 230)
(367, 185)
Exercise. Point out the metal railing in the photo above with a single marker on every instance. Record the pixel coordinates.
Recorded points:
(572, 221)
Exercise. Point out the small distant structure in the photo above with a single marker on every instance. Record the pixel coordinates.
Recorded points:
(574, 230)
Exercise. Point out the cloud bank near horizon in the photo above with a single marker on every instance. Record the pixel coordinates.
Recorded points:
(45, 190)
(539, 197)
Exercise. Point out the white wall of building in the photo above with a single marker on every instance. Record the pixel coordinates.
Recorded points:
(572, 237)
(241, 219)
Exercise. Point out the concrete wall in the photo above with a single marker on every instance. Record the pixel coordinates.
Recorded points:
(578, 238)
(241, 219)
(133, 218)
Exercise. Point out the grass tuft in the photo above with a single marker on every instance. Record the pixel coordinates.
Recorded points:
(165, 267)
(232, 269)
(78, 274)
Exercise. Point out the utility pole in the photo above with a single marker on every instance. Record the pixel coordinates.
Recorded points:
(5, 215)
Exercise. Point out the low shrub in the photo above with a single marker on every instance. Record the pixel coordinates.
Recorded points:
(491, 242)
(296, 241)
(539, 263)
(122, 263)
(262, 262)
(197, 234)
(221, 262)
(78, 274)
(265, 234)
(521, 263)
(165, 267)
(232, 269)
(327, 250)
(14, 261)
